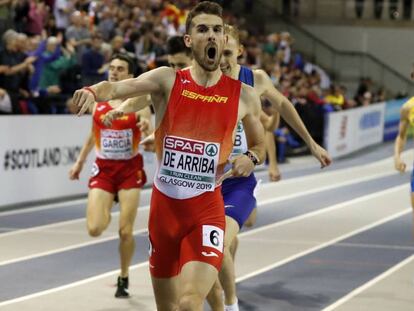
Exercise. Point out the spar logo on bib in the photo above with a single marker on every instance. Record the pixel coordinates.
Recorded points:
(188, 163)
(211, 150)
(184, 145)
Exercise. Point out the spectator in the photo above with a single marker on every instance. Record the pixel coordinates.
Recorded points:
(335, 97)
(106, 25)
(52, 71)
(79, 35)
(47, 52)
(393, 9)
(62, 11)
(285, 46)
(15, 69)
(93, 61)
(36, 20)
(21, 11)
(5, 15)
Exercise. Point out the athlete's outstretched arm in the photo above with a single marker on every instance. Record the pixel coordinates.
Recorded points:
(152, 81)
(400, 140)
(270, 123)
(290, 115)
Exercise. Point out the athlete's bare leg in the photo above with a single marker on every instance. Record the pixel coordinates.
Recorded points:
(187, 291)
(196, 280)
(227, 274)
(233, 247)
(98, 212)
(129, 200)
(166, 293)
(252, 219)
(215, 297)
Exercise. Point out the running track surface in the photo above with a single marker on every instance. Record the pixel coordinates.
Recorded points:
(332, 239)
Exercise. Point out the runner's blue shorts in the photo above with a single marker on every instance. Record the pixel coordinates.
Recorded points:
(238, 195)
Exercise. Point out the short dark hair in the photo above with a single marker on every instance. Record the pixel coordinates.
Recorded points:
(205, 7)
(127, 59)
(176, 45)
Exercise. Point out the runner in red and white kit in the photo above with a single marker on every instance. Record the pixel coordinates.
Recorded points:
(197, 110)
(117, 171)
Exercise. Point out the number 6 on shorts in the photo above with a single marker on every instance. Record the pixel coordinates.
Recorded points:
(213, 237)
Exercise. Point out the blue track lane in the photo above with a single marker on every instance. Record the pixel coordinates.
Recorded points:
(315, 281)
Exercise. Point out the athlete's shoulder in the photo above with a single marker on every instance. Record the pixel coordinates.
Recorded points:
(260, 75)
(247, 89)
(248, 95)
(163, 71)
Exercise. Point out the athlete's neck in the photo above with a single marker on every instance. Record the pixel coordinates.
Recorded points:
(235, 72)
(203, 77)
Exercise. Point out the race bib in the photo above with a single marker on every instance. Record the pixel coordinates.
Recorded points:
(116, 144)
(240, 141)
(213, 237)
(189, 164)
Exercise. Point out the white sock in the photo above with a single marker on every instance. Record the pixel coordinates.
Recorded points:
(233, 307)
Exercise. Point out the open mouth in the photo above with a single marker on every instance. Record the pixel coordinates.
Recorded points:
(211, 52)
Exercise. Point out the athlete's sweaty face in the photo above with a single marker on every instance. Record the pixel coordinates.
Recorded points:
(232, 50)
(206, 40)
(118, 71)
(179, 61)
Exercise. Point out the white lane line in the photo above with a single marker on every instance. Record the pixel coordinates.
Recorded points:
(328, 187)
(387, 162)
(369, 284)
(43, 207)
(48, 206)
(58, 224)
(325, 210)
(298, 218)
(67, 286)
(67, 248)
(340, 244)
(320, 246)
(260, 202)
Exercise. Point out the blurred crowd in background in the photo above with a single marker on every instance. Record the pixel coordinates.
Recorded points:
(51, 48)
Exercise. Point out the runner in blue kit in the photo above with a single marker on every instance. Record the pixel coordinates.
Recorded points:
(238, 193)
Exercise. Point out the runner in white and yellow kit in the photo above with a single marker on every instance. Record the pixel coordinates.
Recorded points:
(406, 121)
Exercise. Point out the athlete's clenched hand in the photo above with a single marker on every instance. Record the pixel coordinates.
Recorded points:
(400, 165)
(242, 166)
(75, 170)
(321, 154)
